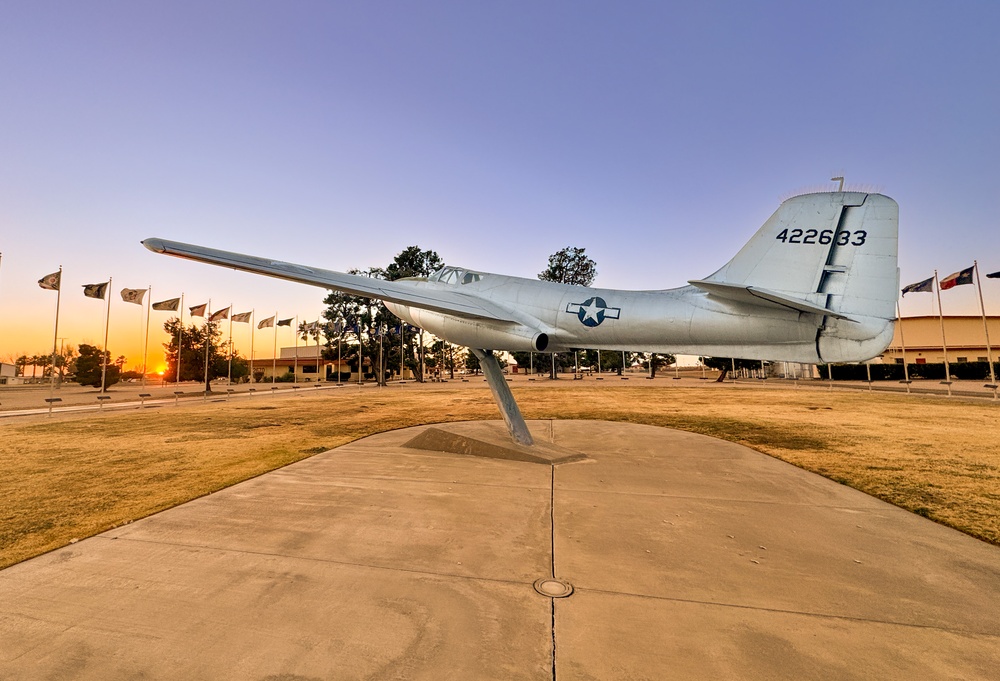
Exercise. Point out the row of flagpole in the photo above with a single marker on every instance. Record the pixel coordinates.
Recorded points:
(53, 282)
(969, 275)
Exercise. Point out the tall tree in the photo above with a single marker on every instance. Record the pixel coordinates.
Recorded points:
(192, 351)
(88, 367)
(360, 321)
(413, 262)
(570, 266)
(567, 266)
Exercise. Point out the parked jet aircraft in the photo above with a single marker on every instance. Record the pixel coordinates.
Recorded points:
(816, 284)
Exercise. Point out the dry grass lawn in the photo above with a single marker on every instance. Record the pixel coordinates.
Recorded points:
(75, 476)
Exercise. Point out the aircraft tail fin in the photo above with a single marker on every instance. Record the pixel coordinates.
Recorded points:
(832, 255)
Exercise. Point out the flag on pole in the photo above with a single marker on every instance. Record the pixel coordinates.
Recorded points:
(925, 286)
(242, 317)
(221, 314)
(957, 279)
(171, 305)
(286, 322)
(95, 290)
(993, 275)
(265, 323)
(50, 282)
(198, 310)
(133, 295)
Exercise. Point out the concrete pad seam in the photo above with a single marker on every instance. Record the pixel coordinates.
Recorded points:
(328, 561)
(783, 611)
(552, 553)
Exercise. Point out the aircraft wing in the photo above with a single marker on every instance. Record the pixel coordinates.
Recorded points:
(402, 292)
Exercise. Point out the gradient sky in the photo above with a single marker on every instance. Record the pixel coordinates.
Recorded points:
(657, 135)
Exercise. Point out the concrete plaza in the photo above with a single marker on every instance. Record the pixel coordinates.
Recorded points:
(688, 557)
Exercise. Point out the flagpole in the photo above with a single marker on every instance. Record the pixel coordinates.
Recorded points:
(253, 333)
(340, 336)
(145, 346)
(180, 341)
(229, 375)
(55, 339)
(107, 320)
(208, 341)
(944, 344)
(274, 350)
(986, 330)
(295, 370)
(902, 345)
(402, 335)
(318, 377)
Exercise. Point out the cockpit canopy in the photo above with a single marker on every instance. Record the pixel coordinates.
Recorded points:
(454, 275)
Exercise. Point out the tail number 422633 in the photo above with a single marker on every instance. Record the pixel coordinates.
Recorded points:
(826, 236)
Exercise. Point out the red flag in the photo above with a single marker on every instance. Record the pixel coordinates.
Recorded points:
(221, 314)
(198, 310)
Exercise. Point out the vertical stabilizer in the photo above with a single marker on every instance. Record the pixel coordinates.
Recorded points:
(836, 251)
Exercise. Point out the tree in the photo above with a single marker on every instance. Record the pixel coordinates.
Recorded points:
(363, 321)
(570, 266)
(88, 367)
(413, 262)
(567, 266)
(660, 361)
(724, 364)
(192, 352)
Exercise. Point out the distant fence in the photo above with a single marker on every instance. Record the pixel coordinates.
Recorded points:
(968, 371)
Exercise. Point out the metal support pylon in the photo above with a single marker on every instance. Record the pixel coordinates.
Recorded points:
(503, 397)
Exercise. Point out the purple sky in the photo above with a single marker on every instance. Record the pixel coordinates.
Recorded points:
(658, 137)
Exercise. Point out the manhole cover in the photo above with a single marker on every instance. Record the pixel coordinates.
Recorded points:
(553, 588)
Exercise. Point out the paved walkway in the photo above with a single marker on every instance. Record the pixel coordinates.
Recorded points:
(690, 558)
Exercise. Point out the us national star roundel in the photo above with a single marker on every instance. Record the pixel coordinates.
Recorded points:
(593, 311)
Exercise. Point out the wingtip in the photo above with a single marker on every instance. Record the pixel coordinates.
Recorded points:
(154, 244)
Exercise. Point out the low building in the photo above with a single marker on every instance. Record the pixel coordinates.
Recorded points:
(304, 364)
(918, 340)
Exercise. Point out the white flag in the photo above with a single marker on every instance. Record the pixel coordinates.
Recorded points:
(133, 295)
(50, 282)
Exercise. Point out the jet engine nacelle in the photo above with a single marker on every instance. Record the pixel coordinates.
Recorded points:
(474, 333)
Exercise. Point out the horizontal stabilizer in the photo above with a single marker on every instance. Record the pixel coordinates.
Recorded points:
(754, 295)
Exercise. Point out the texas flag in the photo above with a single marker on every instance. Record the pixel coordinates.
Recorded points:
(957, 279)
